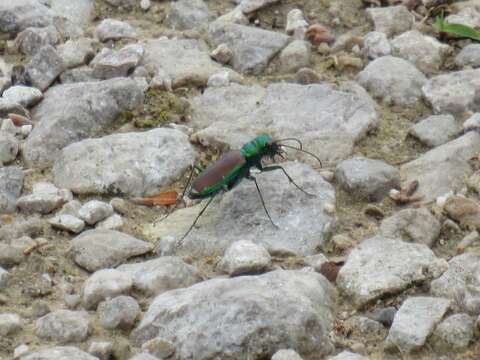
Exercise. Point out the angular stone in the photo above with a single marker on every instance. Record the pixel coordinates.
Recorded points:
(59, 353)
(81, 74)
(111, 29)
(469, 56)
(393, 80)
(98, 249)
(132, 163)
(156, 276)
(119, 312)
(380, 266)
(63, 326)
(472, 123)
(9, 324)
(31, 40)
(110, 64)
(245, 257)
(252, 48)
(102, 349)
(76, 52)
(45, 198)
(44, 67)
(415, 321)
(18, 15)
(67, 222)
(226, 220)
(435, 130)
(95, 211)
(8, 147)
(391, 20)
(376, 45)
(417, 225)
(188, 14)
(296, 24)
(454, 333)
(113, 222)
(294, 56)
(105, 284)
(23, 95)
(72, 112)
(271, 298)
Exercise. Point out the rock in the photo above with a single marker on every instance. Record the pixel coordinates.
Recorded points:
(367, 178)
(77, 52)
(65, 115)
(11, 184)
(296, 24)
(376, 45)
(67, 222)
(222, 54)
(145, 5)
(45, 198)
(453, 333)
(9, 107)
(201, 330)
(469, 56)
(8, 147)
(455, 92)
(78, 12)
(9, 324)
(384, 316)
(119, 312)
(144, 356)
(32, 39)
(18, 15)
(11, 255)
(23, 95)
(72, 300)
(119, 205)
(101, 349)
(81, 74)
(63, 326)
(159, 347)
(365, 329)
(460, 283)
(113, 222)
(435, 130)
(243, 257)
(306, 76)
(431, 168)
(156, 276)
(184, 61)
(59, 353)
(98, 249)
(105, 284)
(219, 79)
(348, 355)
(415, 321)
(463, 210)
(111, 29)
(393, 80)
(249, 6)
(226, 220)
(472, 123)
(95, 211)
(122, 3)
(468, 15)
(235, 16)
(44, 67)
(371, 271)
(20, 351)
(295, 56)
(286, 355)
(110, 64)
(417, 225)
(188, 14)
(132, 163)
(252, 48)
(32, 226)
(425, 52)
(391, 20)
(4, 275)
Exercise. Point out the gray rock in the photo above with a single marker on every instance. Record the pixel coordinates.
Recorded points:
(393, 80)
(435, 130)
(81, 74)
(294, 56)
(67, 222)
(119, 312)
(31, 40)
(76, 52)
(286, 355)
(235, 16)
(227, 218)
(7, 107)
(371, 271)
(455, 92)
(72, 112)
(252, 48)
(45, 198)
(417, 225)
(468, 15)
(105, 284)
(472, 123)
(184, 61)
(443, 168)
(460, 283)
(391, 20)
(249, 6)
(364, 328)
(113, 222)
(245, 257)
(18, 15)
(131, 163)
(159, 347)
(44, 67)
(217, 315)
(415, 321)
(425, 52)
(23, 95)
(367, 178)
(110, 64)
(101, 349)
(31, 226)
(222, 54)
(63, 326)
(469, 56)
(144, 356)
(384, 316)
(156, 276)
(454, 333)
(95, 211)
(296, 24)
(219, 79)
(9, 324)
(4, 275)
(8, 147)
(59, 353)
(376, 44)
(111, 29)
(78, 12)
(188, 14)
(348, 355)
(99, 249)
(11, 255)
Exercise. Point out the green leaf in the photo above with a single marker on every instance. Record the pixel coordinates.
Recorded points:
(456, 29)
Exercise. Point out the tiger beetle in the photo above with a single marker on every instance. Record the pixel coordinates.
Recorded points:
(234, 166)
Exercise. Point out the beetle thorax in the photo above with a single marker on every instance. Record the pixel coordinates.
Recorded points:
(257, 147)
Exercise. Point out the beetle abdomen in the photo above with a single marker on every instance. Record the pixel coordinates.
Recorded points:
(221, 173)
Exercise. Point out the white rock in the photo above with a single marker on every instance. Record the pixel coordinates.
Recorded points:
(219, 79)
(119, 312)
(245, 257)
(23, 95)
(376, 44)
(63, 326)
(101, 349)
(95, 211)
(104, 284)
(8, 147)
(20, 350)
(286, 355)
(472, 123)
(145, 4)
(113, 222)
(9, 324)
(296, 24)
(67, 222)
(45, 198)
(111, 29)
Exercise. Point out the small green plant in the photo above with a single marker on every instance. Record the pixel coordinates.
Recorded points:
(459, 30)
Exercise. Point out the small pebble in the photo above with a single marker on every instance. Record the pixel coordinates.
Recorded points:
(145, 5)
(20, 351)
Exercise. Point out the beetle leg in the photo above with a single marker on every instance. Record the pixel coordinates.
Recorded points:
(250, 177)
(278, 167)
(195, 221)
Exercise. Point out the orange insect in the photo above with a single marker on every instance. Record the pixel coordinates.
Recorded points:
(164, 198)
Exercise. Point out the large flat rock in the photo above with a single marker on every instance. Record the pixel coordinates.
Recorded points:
(222, 318)
(18, 15)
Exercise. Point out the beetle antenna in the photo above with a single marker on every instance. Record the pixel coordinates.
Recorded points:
(291, 139)
(306, 152)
